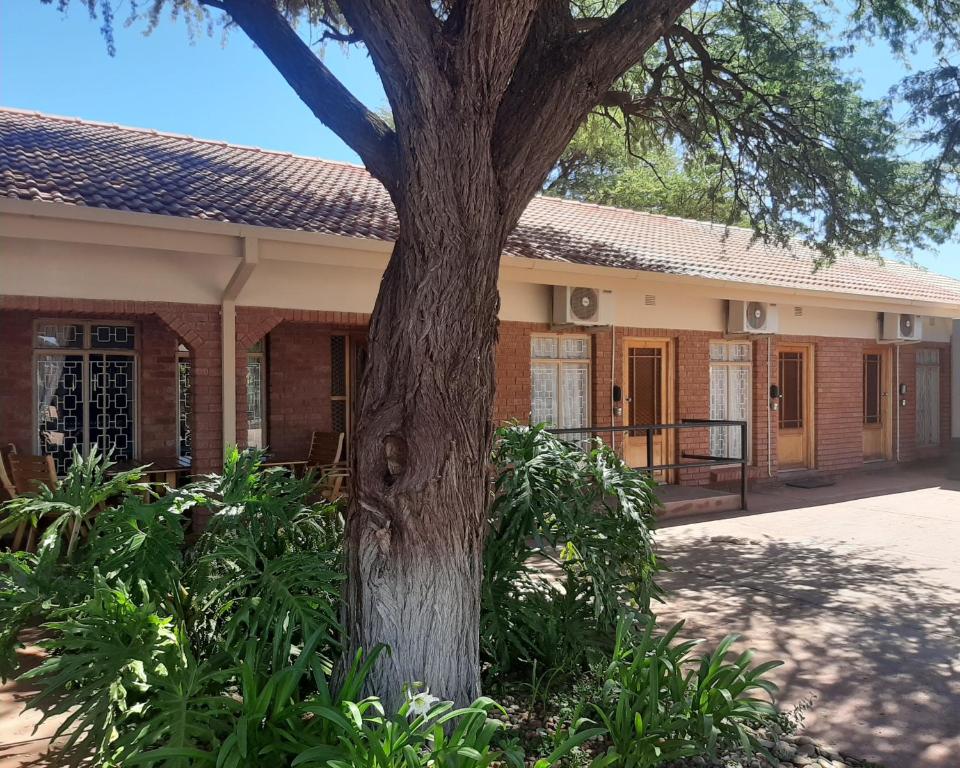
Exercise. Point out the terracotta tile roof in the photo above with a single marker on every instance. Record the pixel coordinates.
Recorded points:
(67, 160)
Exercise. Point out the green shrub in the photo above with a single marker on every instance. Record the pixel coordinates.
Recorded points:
(223, 653)
(583, 514)
(104, 656)
(658, 702)
(71, 504)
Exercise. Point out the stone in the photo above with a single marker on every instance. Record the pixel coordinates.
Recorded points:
(785, 750)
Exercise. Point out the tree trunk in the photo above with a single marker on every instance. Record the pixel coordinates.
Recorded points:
(416, 522)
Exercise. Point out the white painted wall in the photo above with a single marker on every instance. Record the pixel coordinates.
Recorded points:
(826, 321)
(98, 261)
(81, 270)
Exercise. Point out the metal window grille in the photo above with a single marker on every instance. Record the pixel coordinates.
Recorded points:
(86, 389)
(256, 400)
(184, 405)
(340, 385)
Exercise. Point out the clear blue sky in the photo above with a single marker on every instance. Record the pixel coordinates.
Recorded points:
(58, 64)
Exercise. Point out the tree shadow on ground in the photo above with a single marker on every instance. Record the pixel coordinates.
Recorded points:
(875, 641)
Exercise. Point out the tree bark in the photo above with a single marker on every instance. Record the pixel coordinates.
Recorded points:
(416, 525)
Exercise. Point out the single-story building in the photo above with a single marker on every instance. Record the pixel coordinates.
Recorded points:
(168, 296)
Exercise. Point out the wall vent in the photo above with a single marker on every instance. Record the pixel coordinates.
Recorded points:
(798, 311)
(650, 300)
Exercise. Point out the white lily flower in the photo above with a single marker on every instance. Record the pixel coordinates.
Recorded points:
(420, 703)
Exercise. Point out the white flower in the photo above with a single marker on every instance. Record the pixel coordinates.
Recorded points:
(420, 703)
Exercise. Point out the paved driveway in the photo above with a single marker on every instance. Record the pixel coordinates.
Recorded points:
(860, 598)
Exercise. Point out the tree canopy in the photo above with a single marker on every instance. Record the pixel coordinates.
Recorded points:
(599, 166)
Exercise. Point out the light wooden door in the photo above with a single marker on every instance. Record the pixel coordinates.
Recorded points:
(876, 404)
(647, 376)
(794, 440)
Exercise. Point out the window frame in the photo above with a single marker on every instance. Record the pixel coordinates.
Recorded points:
(558, 363)
(799, 362)
(258, 353)
(85, 351)
(184, 355)
(873, 360)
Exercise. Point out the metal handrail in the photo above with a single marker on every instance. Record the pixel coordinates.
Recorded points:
(701, 460)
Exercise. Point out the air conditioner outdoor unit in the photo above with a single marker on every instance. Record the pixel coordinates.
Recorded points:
(582, 306)
(752, 317)
(901, 327)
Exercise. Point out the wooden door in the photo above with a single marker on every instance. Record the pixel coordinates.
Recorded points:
(876, 404)
(647, 390)
(795, 436)
(928, 397)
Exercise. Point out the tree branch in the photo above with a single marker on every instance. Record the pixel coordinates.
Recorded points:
(363, 131)
(564, 76)
(402, 38)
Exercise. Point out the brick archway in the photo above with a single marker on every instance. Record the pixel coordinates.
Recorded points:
(198, 325)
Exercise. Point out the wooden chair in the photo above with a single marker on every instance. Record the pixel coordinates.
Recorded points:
(326, 458)
(28, 474)
(6, 483)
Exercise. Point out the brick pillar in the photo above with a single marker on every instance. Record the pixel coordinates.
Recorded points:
(199, 327)
(16, 380)
(512, 398)
(693, 401)
(158, 390)
(764, 437)
(601, 413)
(838, 404)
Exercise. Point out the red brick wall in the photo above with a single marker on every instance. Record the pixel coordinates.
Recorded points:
(197, 324)
(158, 390)
(512, 398)
(764, 422)
(602, 365)
(838, 407)
(16, 380)
(838, 403)
(298, 370)
(692, 356)
(285, 433)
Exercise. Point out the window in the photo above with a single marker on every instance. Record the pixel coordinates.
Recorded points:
(348, 361)
(560, 380)
(731, 378)
(256, 396)
(791, 390)
(872, 382)
(86, 389)
(928, 397)
(338, 383)
(184, 405)
(645, 387)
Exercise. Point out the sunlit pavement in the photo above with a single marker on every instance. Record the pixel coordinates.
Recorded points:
(860, 597)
